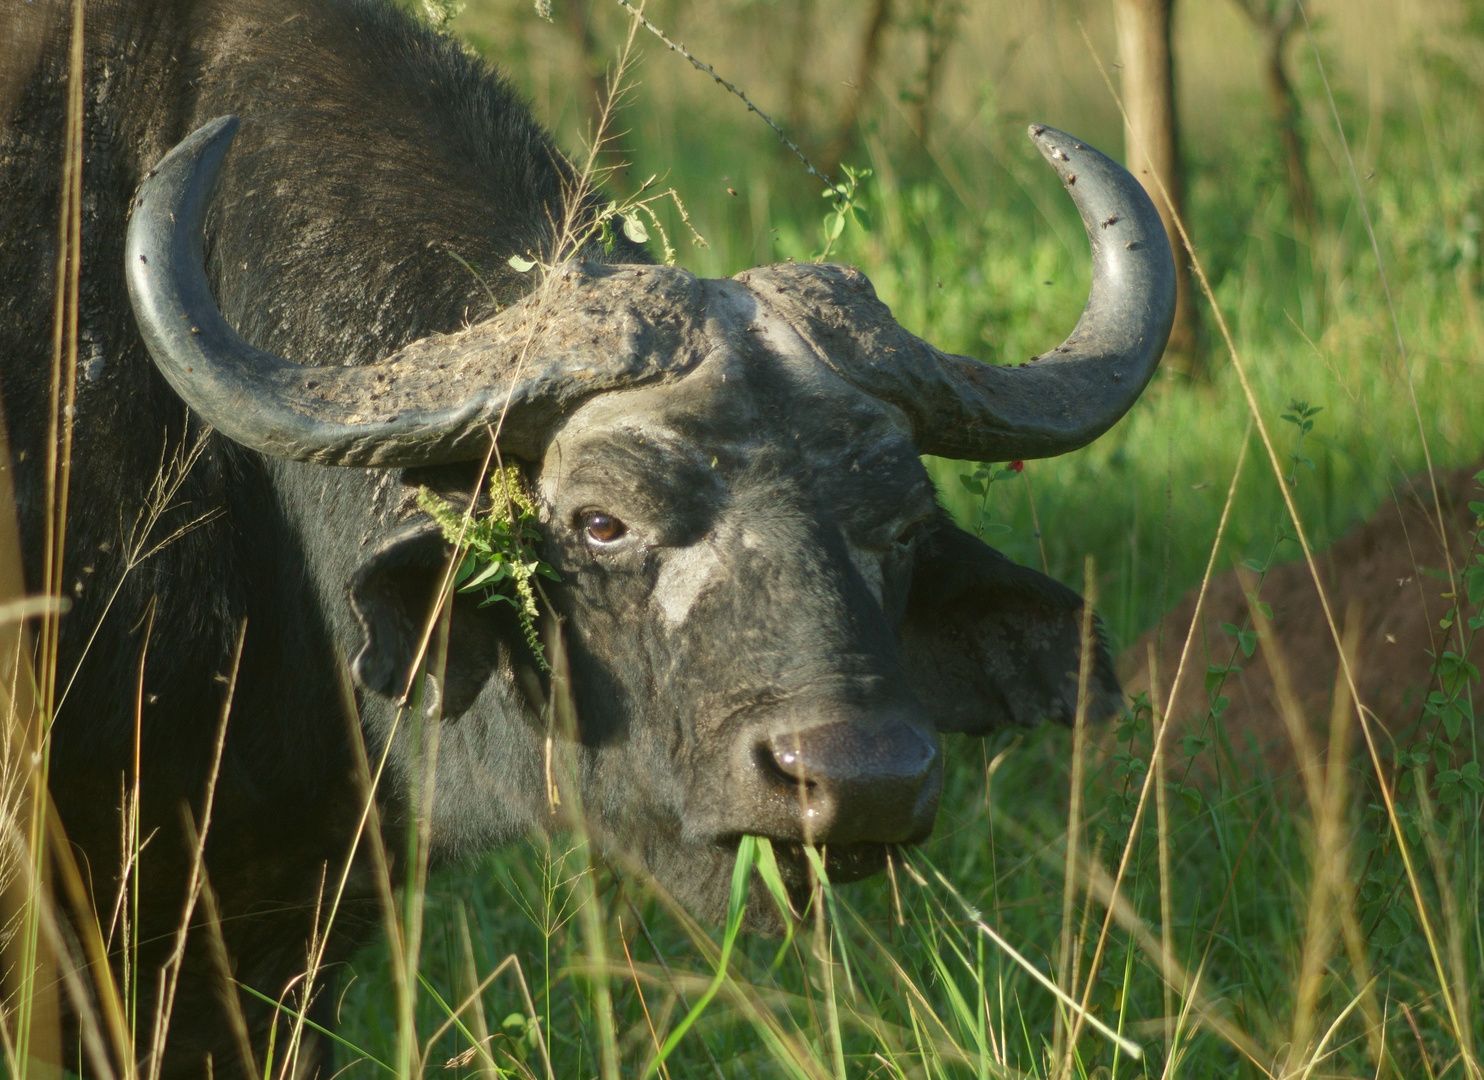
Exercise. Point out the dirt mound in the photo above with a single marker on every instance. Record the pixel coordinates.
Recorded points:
(1390, 574)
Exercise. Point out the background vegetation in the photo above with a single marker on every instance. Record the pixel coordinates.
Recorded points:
(1294, 931)
(1268, 924)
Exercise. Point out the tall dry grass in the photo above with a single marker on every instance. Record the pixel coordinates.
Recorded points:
(1088, 909)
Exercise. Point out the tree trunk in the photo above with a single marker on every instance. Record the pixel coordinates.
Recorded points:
(1152, 150)
(940, 22)
(865, 74)
(1273, 20)
(1283, 103)
(578, 17)
(803, 36)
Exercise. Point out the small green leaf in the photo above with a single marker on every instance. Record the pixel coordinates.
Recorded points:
(835, 226)
(1452, 721)
(1216, 675)
(634, 229)
(1386, 935)
(1246, 639)
(519, 265)
(1400, 916)
(495, 571)
(1474, 579)
(467, 566)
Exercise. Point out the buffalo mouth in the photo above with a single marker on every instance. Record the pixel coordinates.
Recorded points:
(843, 863)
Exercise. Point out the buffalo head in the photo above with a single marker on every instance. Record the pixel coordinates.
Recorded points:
(767, 619)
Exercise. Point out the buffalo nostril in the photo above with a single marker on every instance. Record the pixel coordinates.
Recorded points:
(869, 757)
(784, 765)
(871, 777)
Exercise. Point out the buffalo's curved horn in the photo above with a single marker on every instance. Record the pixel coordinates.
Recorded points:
(593, 328)
(962, 408)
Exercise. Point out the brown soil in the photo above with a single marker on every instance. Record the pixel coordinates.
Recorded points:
(1390, 575)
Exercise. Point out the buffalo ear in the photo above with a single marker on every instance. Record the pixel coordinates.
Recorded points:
(987, 642)
(392, 595)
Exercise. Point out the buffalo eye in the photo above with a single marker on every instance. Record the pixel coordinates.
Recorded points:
(602, 528)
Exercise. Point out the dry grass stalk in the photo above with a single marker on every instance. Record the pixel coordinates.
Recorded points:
(481, 1033)
(170, 971)
(1066, 962)
(472, 1000)
(1334, 821)
(1330, 846)
(226, 984)
(140, 542)
(1158, 742)
(654, 1037)
(38, 1044)
(32, 1027)
(1451, 1006)
(1162, 832)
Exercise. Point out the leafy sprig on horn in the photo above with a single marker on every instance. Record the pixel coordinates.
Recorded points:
(497, 549)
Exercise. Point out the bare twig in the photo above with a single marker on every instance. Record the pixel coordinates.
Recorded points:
(707, 69)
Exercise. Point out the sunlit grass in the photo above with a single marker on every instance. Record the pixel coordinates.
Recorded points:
(1292, 929)
(897, 980)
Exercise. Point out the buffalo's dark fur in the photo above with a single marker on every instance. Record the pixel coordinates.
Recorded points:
(370, 150)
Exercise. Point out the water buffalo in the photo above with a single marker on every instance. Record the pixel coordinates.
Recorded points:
(768, 619)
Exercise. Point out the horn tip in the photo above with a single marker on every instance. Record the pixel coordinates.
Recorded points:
(1057, 147)
(215, 133)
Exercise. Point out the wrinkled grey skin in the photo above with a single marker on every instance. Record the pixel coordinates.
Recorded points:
(783, 581)
(785, 602)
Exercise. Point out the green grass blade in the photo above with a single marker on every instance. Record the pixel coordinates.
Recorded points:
(736, 905)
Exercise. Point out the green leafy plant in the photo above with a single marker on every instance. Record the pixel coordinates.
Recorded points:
(1301, 415)
(628, 217)
(497, 549)
(978, 482)
(1129, 765)
(1448, 712)
(1244, 637)
(847, 207)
